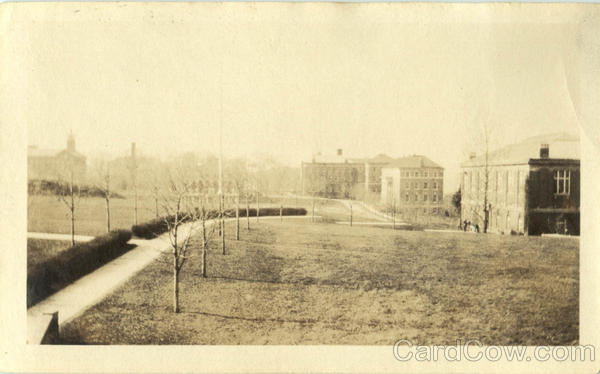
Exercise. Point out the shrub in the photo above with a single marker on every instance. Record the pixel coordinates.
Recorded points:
(49, 187)
(157, 226)
(71, 264)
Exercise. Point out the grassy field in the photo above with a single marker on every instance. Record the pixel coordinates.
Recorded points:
(48, 214)
(302, 283)
(39, 250)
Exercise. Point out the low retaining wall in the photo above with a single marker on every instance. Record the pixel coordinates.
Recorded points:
(43, 329)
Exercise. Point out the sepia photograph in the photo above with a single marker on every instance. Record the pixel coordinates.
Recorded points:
(300, 174)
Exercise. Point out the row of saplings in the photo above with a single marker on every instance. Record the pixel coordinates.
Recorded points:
(82, 258)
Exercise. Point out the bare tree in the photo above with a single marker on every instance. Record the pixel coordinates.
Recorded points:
(32, 191)
(133, 166)
(181, 221)
(102, 182)
(486, 176)
(481, 127)
(207, 231)
(71, 196)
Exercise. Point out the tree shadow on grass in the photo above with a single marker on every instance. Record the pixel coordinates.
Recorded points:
(253, 319)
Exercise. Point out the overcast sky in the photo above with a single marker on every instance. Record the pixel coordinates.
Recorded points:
(292, 81)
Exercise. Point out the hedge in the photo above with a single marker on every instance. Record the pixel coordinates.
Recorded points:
(157, 226)
(49, 276)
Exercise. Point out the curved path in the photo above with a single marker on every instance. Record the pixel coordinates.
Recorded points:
(85, 292)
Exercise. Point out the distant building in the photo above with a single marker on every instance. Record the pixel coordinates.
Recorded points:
(533, 187)
(344, 178)
(53, 164)
(413, 183)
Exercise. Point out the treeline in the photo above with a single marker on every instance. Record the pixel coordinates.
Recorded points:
(49, 187)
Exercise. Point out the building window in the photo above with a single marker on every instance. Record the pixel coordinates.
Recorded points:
(434, 197)
(425, 174)
(417, 174)
(425, 185)
(435, 185)
(416, 197)
(470, 183)
(425, 197)
(407, 198)
(563, 182)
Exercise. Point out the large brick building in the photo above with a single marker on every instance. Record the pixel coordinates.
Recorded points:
(532, 187)
(55, 164)
(413, 183)
(344, 178)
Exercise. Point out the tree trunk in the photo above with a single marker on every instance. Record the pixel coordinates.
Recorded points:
(175, 286)
(222, 225)
(237, 217)
(204, 243)
(257, 206)
(135, 215)
(247, 213)
(107, 214)
(72, 213)
(72, 225)
(156, 205)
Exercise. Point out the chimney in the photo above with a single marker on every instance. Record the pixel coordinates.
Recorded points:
(544, 151)
(472, 155)
(339, 152)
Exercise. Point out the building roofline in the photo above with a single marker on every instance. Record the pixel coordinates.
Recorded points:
(561, 161)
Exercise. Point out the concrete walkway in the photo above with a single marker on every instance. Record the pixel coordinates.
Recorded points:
(87, 291)
(90, 289)
(66, 237)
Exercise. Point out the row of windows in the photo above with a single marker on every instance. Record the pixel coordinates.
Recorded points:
(500, 182)
(426, 185)
(499, 185)
(416, 197)
(422, 174)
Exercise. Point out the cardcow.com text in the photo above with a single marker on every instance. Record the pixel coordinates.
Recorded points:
(474, 350)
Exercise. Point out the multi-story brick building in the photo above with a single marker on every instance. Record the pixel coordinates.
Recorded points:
(413, 183)
(341, 177)
(55, 164)
(532, 187)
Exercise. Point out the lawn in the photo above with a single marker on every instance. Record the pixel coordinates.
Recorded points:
(39, 250)
(302, 283)
(48, 214)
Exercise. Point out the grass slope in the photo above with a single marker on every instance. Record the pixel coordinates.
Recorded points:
(39, 250)
(302, 283)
